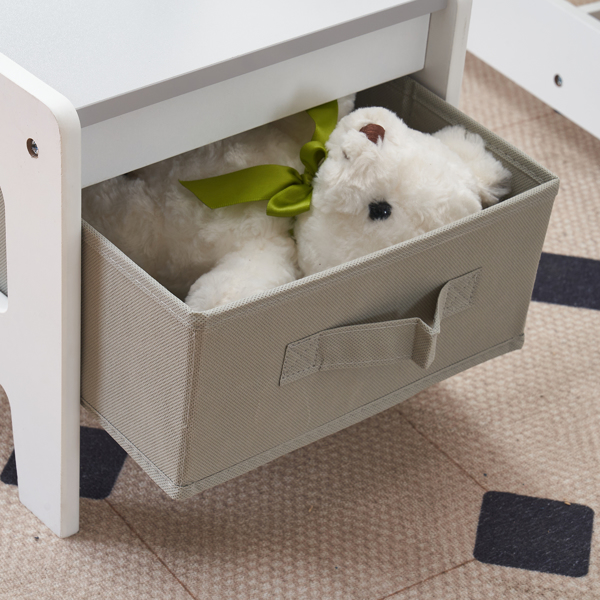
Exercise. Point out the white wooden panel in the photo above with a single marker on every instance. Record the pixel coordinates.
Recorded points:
(111, 57)
(446, 49)
(40, 325)
(533, 41)
(165, 129)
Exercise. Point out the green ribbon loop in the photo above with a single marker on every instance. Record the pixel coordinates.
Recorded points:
(288, 192)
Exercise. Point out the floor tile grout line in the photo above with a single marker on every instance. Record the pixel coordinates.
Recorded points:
(428, 579)
(445, 454)
(137, 535)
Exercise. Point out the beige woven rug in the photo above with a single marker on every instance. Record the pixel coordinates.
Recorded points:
(388, 508)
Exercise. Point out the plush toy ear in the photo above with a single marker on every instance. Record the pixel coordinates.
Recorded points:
(373, 132)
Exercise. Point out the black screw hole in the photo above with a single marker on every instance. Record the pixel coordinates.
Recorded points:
(32, 148)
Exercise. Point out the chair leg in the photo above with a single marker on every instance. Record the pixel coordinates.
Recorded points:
(47, 453)
(446, 51)
(40, 317)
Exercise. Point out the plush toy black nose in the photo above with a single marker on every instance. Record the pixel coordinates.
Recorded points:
(379, 210)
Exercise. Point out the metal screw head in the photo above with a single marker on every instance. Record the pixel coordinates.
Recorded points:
(558, 80)
(32, 148)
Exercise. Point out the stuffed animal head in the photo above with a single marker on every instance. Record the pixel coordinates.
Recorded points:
(383, 183)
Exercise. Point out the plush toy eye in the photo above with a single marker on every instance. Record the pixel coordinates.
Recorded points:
(379, 210)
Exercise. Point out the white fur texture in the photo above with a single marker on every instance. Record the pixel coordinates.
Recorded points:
(230, 253)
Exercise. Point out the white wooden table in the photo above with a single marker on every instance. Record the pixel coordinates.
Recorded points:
(90, 90)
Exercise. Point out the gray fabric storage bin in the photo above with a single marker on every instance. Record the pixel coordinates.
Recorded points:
(199, 398)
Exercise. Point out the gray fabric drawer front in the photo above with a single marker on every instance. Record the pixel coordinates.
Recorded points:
(197, 398)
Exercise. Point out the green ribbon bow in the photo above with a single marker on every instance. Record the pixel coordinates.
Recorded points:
(288, 192)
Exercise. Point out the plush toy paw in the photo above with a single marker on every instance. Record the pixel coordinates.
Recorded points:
(254, 269)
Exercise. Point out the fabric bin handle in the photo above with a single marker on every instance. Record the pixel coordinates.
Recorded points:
(378, 343)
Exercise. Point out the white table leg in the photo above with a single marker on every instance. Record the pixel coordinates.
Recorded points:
(40, 318)
(446, 51)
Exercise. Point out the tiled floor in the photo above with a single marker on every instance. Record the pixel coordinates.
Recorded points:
(388, 508)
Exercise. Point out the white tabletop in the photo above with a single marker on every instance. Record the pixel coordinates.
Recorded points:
(112, 56)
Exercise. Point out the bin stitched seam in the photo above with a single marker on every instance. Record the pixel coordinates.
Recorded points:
(189, 408)
(295, 374)
(476, 275)
(198, 340)
(375, 326)
(381, 361)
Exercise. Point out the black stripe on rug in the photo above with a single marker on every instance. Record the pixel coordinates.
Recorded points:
(568, 280)
(100, 464)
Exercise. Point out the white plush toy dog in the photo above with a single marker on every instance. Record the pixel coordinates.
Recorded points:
(381, 183)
